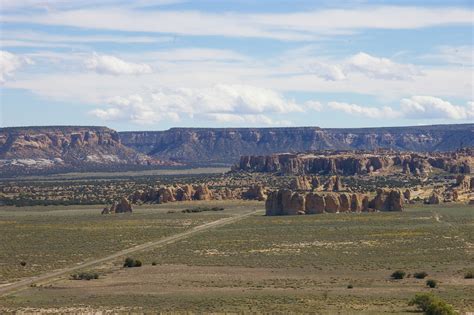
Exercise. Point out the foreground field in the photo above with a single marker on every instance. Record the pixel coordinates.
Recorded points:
(298, 264)
(48, 238)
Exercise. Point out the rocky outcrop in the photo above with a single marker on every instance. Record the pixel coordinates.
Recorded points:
(434, 199)
(226, 145)
(119, 207)
(387, 200)
(255, 192)
(202, 192)
(357, 163)
(66, 147)
(334, 183)
(287, 202)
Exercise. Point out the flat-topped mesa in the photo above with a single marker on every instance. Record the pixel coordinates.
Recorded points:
(62, 146)
(287, 202)
(352, 163)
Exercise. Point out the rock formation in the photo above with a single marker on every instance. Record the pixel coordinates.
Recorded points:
(223, 145)
(357, 163)
(287, 202)
(255, 192)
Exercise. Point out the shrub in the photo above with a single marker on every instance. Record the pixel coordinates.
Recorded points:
(431, 283)
(153, 263)
(469, 275)
(420, 275)
(431, 305)
(399, 274)
(130, 262)
(350, 286)
(23, 263)
(85, 276)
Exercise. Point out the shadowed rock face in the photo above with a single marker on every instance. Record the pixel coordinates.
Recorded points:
(352, 163)
(286, 202)
(226, 145)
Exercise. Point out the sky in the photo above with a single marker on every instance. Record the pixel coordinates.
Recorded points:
(158, 64)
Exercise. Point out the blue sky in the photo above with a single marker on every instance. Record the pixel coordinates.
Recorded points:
(156, 64)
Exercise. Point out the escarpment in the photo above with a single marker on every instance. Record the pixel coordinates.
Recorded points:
(358, 163)
(226, 145)
(49, 147)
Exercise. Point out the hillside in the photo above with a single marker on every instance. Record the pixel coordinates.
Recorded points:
(65, 147)
(226, 145)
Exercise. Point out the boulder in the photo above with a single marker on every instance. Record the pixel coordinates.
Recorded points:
(332, 203)
(202, 193)
(315, 203)
(344, 202)
(434, 199)
(255, 192)
(123, 206)
(356, 202)
(297, 204)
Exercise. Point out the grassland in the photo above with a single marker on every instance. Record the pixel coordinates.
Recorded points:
(268, 264)
(52, 237)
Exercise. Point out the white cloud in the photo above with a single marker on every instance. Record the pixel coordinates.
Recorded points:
(222, 103)
(326, 71)
(456, 55)
(415, 107)
(433, 107)
(381, 68)
(106, 64)
(313, 105)
(284, 26)
(363, 111)
(9, 63)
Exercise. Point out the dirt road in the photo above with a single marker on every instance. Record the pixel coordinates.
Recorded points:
(11, 287)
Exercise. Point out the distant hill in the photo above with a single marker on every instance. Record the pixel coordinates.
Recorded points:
(65, 147)
(226, 145)
(91, 147)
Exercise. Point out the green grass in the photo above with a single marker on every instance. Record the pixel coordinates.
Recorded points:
(52, 237)
(280, 264)
(409, 240)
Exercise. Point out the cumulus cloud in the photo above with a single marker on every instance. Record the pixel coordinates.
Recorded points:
(222, 103)
(433, 107)
(364, 111)
(9, 63)
(381, 68)
(106, 64)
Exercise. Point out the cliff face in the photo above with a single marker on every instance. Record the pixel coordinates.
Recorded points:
(44, 147)
(226, 145)
(357, 163)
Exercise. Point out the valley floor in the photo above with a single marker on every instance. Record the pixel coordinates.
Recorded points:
(259, 264)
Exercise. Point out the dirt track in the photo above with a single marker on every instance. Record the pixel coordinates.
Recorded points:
(11, 287)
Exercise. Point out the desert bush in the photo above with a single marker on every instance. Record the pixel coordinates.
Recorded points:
(469, 275)
(23, 263)
(399, 274)
(431, 305)
(431, 283)
(350, 286)
(420, 275)
(85, 276)
(153, 263)
(130, 262)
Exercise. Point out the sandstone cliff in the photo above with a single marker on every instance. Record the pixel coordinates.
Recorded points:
(47, 147)
(226, 145)
(351, 163)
